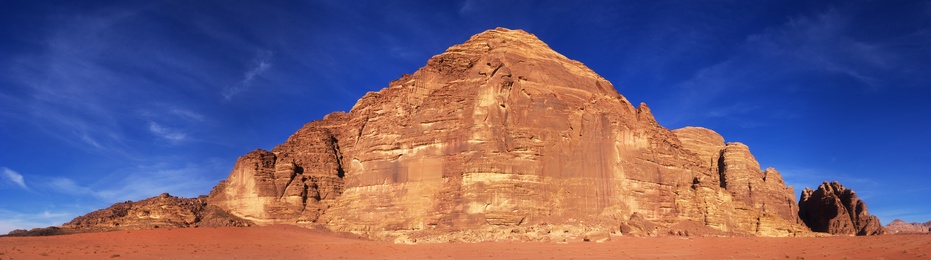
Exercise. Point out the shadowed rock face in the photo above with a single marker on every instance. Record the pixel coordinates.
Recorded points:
(501, 133)
(837, 210)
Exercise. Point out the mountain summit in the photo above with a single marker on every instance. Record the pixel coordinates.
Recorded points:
(498, 138)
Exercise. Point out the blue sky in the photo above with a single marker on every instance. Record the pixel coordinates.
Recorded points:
(107, 102)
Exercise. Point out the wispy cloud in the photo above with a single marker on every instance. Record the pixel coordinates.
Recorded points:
(466, 7)
(142, 182)
(785, 59)
(68, 186)
(15, 177)
(187, 114)
(66, 89)
(166, 133)
(821, 43)
(85, 83)
(261, 63)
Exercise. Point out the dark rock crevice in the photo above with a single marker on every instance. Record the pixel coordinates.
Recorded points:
(721, 168)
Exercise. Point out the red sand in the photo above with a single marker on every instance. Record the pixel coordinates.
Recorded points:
(286, 242)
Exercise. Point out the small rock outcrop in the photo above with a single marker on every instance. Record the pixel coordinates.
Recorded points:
(901, 227)
(163, 211)
(834, 209)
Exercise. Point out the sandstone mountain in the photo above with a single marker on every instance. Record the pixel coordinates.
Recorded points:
(837, 210)
(901, 227)
(497, 138)
(503, 138)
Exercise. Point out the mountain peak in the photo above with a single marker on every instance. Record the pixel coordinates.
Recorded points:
(503, 38)
(511, 55)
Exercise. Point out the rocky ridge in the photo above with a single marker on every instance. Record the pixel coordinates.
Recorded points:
(834, 209)
(901, 227)
(163, 211)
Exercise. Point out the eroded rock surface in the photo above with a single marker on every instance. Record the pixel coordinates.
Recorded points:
(503, 138)
(834, 209)
(163, 211)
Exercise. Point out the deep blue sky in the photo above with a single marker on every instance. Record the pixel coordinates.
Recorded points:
(107, 102)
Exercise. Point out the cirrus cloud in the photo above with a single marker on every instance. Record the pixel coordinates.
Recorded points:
(15, 177)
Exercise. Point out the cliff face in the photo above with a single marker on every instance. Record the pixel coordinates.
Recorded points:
(503, 138)
(834, 209)
(754, 193)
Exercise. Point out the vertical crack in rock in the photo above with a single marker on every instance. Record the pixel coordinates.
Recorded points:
(721, 167)
(340, 172)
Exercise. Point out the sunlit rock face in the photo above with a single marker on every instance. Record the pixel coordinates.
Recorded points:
(835, 209)
(503, 138)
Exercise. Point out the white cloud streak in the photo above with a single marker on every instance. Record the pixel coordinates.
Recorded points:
(261, 64)
(15, 177)
(66, 90)
(142, 182)
(166, 133)
(186, 114)
(777, 59)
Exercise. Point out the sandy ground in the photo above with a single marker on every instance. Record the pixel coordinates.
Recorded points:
(286, 242)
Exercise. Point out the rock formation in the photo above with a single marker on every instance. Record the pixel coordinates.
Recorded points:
(163, 211)
(901, 227)
(498, 138)
(837, 210)
(503, 138)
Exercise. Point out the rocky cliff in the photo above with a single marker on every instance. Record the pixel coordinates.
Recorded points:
(503, 138)
(834, 209)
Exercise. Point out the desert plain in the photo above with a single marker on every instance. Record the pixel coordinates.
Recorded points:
(290, 242)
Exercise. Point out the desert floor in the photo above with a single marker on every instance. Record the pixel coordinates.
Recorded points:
(286, 242)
